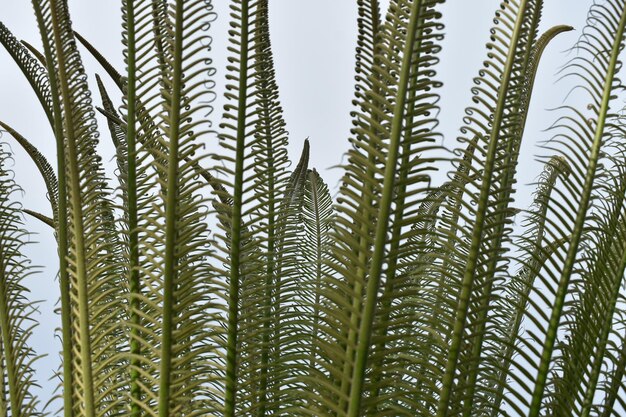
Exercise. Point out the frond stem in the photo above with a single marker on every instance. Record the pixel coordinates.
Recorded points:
(171, 217)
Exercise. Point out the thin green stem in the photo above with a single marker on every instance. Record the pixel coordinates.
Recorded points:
(236, 229)
(171, 217)
(131, 192)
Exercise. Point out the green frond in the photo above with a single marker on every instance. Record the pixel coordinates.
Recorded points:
(254, 173)
(314, 246)
(16, 310)
(495, 122)
(183, 294)
(93, 266)
(386, 172)
(174, 338)
(513, 298)
(41, 217)
(62, 227)
(117, 78)
(601, 47)
(44, 167)
(30, 66)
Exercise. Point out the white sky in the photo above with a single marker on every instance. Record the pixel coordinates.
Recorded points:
(314, 51)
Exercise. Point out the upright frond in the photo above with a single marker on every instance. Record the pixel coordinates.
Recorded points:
(387, 171)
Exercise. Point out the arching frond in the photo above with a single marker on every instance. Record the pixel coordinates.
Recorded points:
(32, 69)
(44, 167)
(16, 310)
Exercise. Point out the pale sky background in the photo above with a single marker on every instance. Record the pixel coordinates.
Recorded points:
(314, 44)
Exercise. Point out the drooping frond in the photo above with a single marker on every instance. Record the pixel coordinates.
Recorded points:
(44, 167)
(32, 69)
(16, 310)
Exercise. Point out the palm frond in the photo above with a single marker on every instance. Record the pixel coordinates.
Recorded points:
(91, 246)
(30, 66)
(16, 310)
(174, 338)
(44, 167)
(41, 217)
(393, 129)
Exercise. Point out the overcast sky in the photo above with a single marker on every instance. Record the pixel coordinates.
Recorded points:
(314, 51)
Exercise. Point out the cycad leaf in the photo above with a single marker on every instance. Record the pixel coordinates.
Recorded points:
(175, 363)
(609, 23)
(254, 159)
(34, 72)
(16, 311)
(41, 217)
(493, 122)
(512, 305)
(393, 131)
(44, 167)
(94, 269)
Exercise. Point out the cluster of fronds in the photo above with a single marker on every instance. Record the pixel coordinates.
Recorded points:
(228, 284)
